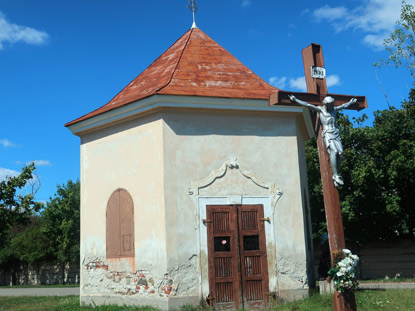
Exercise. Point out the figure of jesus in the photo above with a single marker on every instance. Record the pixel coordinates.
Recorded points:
(331, 134)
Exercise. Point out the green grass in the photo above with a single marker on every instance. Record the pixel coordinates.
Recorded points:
(40, 286)
(62, 303)
(367, 300)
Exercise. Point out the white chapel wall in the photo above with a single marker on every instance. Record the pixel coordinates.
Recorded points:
(265, 143)
(129, 156)
(156, 158)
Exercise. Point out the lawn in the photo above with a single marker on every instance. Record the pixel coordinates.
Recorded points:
(396, 299)
(367, 300)
(62, 303)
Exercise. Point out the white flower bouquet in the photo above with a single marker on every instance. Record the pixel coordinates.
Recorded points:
(344, 272)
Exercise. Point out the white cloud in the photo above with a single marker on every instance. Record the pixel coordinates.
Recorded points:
(13, 33)
(332, 80)
(304, 12)
(5, 172)
(376, 18)
(246, 3)
(327, 13)
(278, 82)
(298, 84)
(375, 41)
(40, 163)
(6, 143)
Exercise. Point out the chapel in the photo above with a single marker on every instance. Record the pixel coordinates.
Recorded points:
(194, 188)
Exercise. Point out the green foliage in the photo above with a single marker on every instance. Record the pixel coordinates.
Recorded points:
(378, 169)
(400, 43)
(378, 196)
(15, 208)
(62, 222)
(29, 244)
(27, 237)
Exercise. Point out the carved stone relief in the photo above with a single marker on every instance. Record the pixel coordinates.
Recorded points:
(246, 182)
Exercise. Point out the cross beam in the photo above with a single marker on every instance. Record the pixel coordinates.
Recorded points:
(281, 97)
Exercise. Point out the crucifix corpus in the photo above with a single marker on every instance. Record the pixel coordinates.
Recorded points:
(329, 145)
(331, 135)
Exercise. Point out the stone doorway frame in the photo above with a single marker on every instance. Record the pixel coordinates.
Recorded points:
(269, 203)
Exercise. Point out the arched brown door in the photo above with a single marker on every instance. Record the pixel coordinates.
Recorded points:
(120, 225)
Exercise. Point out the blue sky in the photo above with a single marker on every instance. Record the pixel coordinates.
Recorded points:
(62, 59)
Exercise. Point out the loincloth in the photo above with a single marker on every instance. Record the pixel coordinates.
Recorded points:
(332, 140)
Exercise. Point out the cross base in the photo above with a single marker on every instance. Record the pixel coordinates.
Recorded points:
(344, 301)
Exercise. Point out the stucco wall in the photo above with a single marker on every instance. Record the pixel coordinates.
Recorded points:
(156, 158)
(129, 156)
(267, 144)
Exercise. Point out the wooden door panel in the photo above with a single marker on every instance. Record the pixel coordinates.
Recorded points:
(113, 226)
(253, 256)
(252, 265)
(126, 224)
(223, 256)
(238, 271)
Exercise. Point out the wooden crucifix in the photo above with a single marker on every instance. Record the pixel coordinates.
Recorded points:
(317, 93)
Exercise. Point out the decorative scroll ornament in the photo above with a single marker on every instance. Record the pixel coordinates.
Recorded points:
(274, 192)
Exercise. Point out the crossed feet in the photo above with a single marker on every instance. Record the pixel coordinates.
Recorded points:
(337, 181)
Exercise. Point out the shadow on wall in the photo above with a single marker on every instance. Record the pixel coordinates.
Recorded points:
(187, 123)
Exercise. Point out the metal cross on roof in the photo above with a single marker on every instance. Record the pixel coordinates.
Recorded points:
(192, 6)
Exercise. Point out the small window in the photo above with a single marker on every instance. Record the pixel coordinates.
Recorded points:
(222, 244)
(120, 225)
(251, 242)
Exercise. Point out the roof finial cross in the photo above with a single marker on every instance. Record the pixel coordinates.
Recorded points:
(192, 6)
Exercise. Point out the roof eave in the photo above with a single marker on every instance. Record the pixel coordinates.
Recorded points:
(155, 102)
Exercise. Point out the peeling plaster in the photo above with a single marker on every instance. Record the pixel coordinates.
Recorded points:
(291, 273)
(99, 278)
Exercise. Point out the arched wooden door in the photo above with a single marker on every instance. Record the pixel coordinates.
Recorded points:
(120, 225)
(238, 269)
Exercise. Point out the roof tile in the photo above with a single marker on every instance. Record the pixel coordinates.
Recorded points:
(194, 65)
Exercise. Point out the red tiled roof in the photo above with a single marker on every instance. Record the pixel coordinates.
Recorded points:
(194, 65)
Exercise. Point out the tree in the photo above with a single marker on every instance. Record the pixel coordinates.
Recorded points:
(62, 222)
(378, 196)
(29, 244)
(394, 147)
(401, 43)
(15, 207)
